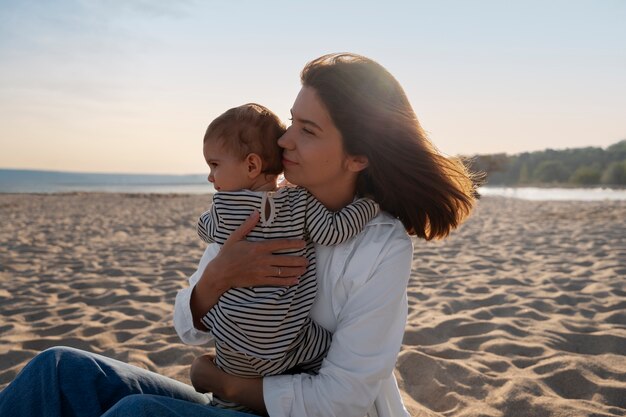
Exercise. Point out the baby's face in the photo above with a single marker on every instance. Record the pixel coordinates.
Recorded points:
(228, 172)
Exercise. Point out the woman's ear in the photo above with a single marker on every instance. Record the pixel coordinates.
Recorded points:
(255, 165)
(357, 163)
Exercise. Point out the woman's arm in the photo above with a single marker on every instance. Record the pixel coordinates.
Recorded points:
(183, 318)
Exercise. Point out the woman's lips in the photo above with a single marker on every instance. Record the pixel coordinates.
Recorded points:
(288, 162)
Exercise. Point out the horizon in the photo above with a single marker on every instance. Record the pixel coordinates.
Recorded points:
(130, 86)
(204, 173)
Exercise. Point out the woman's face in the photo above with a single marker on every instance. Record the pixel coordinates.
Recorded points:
(313, 155)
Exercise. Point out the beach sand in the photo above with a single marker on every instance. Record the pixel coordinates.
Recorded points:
(521, 312)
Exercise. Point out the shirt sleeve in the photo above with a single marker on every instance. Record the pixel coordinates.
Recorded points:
(327, 227)
(207, 223)
(183, 319)
(364, 348)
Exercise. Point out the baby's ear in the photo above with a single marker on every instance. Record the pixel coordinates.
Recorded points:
(255, 165)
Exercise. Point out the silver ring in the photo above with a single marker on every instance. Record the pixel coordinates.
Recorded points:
(279, 271)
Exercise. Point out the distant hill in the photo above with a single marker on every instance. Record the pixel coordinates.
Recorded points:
(576, 167)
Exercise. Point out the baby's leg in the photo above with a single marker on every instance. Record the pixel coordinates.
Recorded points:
(304, 356)
(203, 372)
(199, 373)
(312, 349)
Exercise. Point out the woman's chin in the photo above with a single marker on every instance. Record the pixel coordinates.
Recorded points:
(291, 178)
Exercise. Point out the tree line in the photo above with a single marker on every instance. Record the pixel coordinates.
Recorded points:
(577, 167)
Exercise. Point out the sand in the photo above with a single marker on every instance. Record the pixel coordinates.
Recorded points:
(521, 312)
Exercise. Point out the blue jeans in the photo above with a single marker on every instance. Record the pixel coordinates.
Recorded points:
(68, 382)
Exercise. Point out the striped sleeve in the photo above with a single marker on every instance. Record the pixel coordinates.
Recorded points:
(207, 225)
(204, 225)
(326, 227)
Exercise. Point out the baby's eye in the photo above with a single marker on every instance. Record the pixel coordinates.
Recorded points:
(307, 131)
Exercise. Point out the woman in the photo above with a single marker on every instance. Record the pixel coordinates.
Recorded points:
(353, 133)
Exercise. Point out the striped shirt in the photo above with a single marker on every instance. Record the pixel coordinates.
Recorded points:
(262, 331)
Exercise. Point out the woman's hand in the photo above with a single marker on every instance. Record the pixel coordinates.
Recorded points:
(240, 263)
(252, 264)
(207, 377)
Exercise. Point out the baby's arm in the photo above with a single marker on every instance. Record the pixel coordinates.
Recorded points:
(207, 224)
(326, 227)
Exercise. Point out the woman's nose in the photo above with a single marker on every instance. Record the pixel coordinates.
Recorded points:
(285, 141)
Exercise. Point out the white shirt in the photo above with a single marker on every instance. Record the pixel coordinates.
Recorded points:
(361, 299)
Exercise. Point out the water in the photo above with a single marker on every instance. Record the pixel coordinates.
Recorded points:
(28, 181)
(556, 194)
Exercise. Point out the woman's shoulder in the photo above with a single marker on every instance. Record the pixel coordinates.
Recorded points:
(382, 251)
(383, 236)
(384, 227)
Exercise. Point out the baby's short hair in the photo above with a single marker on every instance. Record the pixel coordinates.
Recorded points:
(250, 128)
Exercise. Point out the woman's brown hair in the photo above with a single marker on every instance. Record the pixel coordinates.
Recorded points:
(430, 193)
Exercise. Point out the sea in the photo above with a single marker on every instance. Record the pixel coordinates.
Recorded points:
(556, 194)
(33, 181)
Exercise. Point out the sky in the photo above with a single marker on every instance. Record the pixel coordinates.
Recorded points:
(129, 86)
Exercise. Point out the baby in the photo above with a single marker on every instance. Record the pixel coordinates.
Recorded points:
(262, 331)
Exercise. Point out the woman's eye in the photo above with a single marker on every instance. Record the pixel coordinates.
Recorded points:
(303, 129)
